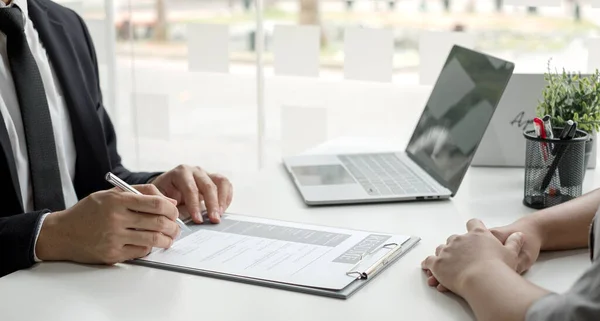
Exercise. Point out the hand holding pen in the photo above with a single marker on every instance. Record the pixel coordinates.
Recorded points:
(109, 227)
(117, 182)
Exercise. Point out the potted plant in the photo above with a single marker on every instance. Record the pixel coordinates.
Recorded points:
(571, 96)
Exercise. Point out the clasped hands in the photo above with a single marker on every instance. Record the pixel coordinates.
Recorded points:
(473, 254)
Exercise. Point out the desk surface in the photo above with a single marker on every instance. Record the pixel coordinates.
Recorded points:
(63, 291)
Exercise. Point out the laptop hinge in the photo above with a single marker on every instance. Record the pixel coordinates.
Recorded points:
(431, 173)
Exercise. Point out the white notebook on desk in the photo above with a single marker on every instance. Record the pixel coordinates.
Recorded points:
(308, 258)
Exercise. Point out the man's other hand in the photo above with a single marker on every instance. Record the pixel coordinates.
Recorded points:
(190, 185)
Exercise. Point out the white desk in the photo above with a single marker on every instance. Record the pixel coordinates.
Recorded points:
(62, 291)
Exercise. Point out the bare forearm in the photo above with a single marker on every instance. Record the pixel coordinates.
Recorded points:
(566, 226)
(498, 293)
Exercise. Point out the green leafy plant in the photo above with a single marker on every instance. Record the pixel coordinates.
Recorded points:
(571, 96)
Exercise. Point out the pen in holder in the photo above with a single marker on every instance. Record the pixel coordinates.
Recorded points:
(554, 169)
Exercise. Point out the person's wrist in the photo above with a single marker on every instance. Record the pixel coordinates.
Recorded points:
(481, 279)
(473, 276)
(49, 246)
(531, 227)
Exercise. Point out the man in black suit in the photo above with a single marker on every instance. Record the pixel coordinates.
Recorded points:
(56, 145)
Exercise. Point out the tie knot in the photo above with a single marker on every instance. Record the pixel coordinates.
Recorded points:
(11, 21)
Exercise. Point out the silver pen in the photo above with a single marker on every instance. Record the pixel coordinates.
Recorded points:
(117, 182)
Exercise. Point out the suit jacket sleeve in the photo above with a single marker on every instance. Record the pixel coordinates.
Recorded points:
(17, 239)
(109, 131)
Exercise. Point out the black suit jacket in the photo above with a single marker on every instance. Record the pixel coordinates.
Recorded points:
(73, 58)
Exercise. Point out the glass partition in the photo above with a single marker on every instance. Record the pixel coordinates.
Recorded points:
(183, 84)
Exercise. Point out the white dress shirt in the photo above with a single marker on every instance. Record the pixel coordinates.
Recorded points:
(9, 107)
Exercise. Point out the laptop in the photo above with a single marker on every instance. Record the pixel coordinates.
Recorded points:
(439, 153)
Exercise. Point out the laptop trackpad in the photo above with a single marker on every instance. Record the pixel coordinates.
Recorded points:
(316, 175)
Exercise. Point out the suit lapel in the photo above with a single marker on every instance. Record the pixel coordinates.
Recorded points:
(92, 157)
(8, 162)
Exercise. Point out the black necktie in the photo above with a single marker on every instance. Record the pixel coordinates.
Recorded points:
(41, 148)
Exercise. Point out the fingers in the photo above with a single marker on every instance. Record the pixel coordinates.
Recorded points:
(193, 186)
(520, 267)
(514, 242)
(525, 262)
(451, 238)
(475, 225)
(184, 214)
(155, 223)
(428, 262)
(210, 194)
(439, 249)
(432, 281)
(131, 252)
(149, 189)
(159, 205)
(186, 184)
(225, 191)
(442, 288)
(499, 234)
(147, 239)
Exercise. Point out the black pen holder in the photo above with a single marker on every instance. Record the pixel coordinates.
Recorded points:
(554, 169)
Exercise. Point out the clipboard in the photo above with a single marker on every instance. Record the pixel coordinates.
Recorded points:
(362, 275)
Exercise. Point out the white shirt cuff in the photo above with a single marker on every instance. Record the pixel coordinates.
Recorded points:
(37, 235)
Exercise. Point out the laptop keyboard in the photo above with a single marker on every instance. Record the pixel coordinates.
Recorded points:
(384, 174)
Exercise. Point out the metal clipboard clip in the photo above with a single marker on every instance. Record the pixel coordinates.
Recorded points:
(393, 248)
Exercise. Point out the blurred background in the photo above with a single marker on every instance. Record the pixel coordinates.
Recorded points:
(180, 77)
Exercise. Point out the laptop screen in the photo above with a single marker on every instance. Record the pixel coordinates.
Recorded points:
(457, 114)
